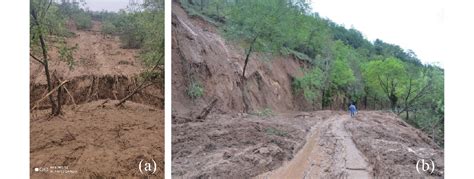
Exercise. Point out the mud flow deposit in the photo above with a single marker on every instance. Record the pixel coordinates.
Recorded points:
(93, 137)
(213, 138)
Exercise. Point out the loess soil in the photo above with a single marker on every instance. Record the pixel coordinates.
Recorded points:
(97, 140)
(276, 139)
(95, 55)
(200, 55)
(393, 146)
(239, 145)
(93, 137)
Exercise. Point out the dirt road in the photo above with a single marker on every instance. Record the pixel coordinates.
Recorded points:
(347, 160)
(319, 144)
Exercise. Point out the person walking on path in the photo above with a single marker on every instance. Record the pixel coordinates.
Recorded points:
(352, 109)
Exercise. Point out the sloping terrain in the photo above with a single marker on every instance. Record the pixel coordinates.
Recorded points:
(282, 142)
(95, 55)
(201, 55)
(102, 70)
(92, 137)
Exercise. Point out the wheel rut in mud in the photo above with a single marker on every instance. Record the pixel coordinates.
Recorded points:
(314, 160)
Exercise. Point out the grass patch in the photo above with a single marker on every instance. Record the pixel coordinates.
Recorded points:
(267, 112)
(192, 11)
(277, 132)
(195, 90)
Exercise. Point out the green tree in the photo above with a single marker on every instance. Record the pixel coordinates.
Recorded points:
(46, 20)
(147, 32)
(309, 84)
(388, 77)
(83, 20)
(258, 24)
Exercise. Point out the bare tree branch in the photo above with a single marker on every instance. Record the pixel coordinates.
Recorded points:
(37, 59)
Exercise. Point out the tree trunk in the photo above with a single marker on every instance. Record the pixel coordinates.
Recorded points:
(245, 99)
(393, 102)
(244, 79)
(48, 94)
(408, 117)
(248, 55)
(202, 116)
(365, 102)
(50, 86)
(322, 99)
(45, 61)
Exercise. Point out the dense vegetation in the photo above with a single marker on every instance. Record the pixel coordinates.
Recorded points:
(139, 26)
(344, 67)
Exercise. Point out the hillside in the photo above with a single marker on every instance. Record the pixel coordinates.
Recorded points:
(201, 56)
(283, 135)
(92, 136)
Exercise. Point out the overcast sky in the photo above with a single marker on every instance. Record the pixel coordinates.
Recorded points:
(109, 5)
(412, 24)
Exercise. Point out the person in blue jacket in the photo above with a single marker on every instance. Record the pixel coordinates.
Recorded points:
(352, 109)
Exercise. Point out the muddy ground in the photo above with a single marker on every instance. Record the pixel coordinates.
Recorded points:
(93, 137)
(322, 144)
(97, 140)
(239, 145)
(276, 139)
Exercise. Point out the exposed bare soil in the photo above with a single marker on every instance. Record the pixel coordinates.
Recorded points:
(285, 143)
(341, 148)
(201, 55)
(322, 144)
(93, 137)
(97, 140)
(239, 145)
(95, 55)
(392, 146)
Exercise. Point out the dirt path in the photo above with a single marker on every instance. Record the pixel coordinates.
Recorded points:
(355, 163)
(314, 161)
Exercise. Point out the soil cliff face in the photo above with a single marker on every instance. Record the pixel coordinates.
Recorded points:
(201, 56)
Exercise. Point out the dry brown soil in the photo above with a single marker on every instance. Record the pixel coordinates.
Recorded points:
(97, 140)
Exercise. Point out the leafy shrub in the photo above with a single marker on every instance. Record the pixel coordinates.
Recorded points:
(151, 75)
(273, 131)
(130, 34)
(195, 90)
(108, 28)
(265, 112)
(83, 21)
(309, 84)
(66, 54)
